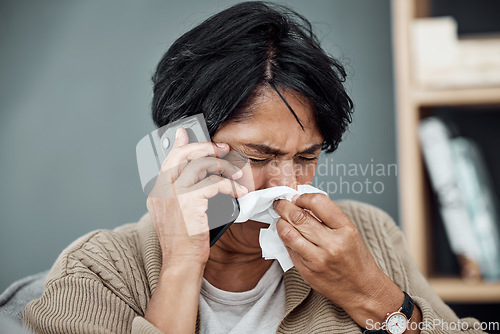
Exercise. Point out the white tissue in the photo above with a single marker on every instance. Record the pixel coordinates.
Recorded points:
(258, 205)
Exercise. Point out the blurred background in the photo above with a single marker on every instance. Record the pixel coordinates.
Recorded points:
(76, 94)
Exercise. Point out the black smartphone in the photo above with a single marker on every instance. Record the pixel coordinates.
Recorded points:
(153, 149)
(224, 208)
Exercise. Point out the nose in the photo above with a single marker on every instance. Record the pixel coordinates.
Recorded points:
(282, 173)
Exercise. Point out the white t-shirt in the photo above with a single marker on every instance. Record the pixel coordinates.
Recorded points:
(259, 310)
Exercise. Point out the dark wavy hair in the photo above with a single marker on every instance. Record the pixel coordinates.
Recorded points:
(218, 67)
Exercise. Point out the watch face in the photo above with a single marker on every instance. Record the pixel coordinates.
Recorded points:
(396, 323)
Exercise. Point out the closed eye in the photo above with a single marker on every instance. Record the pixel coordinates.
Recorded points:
(263, 161)
(258, 161)
(307, 159)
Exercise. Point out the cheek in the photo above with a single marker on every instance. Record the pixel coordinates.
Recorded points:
(305, 173)
(259, 178)
(251, 178)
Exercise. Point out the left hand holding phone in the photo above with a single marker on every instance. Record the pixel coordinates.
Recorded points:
(177, 206)
(189, 176)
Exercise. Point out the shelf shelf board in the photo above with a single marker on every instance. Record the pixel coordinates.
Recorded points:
(457, 97)
(458, 291)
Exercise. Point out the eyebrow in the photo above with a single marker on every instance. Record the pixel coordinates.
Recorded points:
(268, 150)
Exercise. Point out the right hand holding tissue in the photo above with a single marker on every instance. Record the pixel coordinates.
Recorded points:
(258, 205)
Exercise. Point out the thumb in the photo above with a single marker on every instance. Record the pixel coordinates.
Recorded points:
(181, 137)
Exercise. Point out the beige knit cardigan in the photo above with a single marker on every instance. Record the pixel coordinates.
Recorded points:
(102, 283)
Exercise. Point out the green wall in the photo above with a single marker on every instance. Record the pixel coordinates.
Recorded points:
(75, 98)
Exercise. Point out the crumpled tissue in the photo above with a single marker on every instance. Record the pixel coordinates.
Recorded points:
(258, 205)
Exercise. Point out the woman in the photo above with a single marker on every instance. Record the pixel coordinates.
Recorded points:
(269, 91)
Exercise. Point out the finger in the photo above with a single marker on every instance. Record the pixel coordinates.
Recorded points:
(183, 152)
(179, 157)
(191, 151)
(310, 228)
(324, 208)
(293, 239)
(198, 169)
(214, 184)
(181, 138)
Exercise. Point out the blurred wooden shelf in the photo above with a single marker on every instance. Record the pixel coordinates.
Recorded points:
(411, 100)
(456, 290)
(457, 96)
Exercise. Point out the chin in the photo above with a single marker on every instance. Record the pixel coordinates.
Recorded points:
(246, 233)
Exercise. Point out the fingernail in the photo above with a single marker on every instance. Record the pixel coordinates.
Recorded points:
(221, 145)
(177, 133)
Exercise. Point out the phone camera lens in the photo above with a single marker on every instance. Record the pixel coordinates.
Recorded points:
(165, 143)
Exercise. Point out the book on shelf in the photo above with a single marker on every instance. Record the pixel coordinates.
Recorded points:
(466, 200)
(441, 60)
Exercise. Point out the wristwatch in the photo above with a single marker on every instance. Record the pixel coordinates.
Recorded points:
(396, 322)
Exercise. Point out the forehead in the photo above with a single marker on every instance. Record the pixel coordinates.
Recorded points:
(272, 123)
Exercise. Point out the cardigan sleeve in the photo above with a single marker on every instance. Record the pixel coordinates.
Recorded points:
(437, 317)
(387, 244)
(82, 305)
(95, 286)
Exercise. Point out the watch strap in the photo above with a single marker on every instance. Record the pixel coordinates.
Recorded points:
(406, 309)
(408, 306)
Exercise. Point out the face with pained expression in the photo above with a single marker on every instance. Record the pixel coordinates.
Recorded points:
(280, 150)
